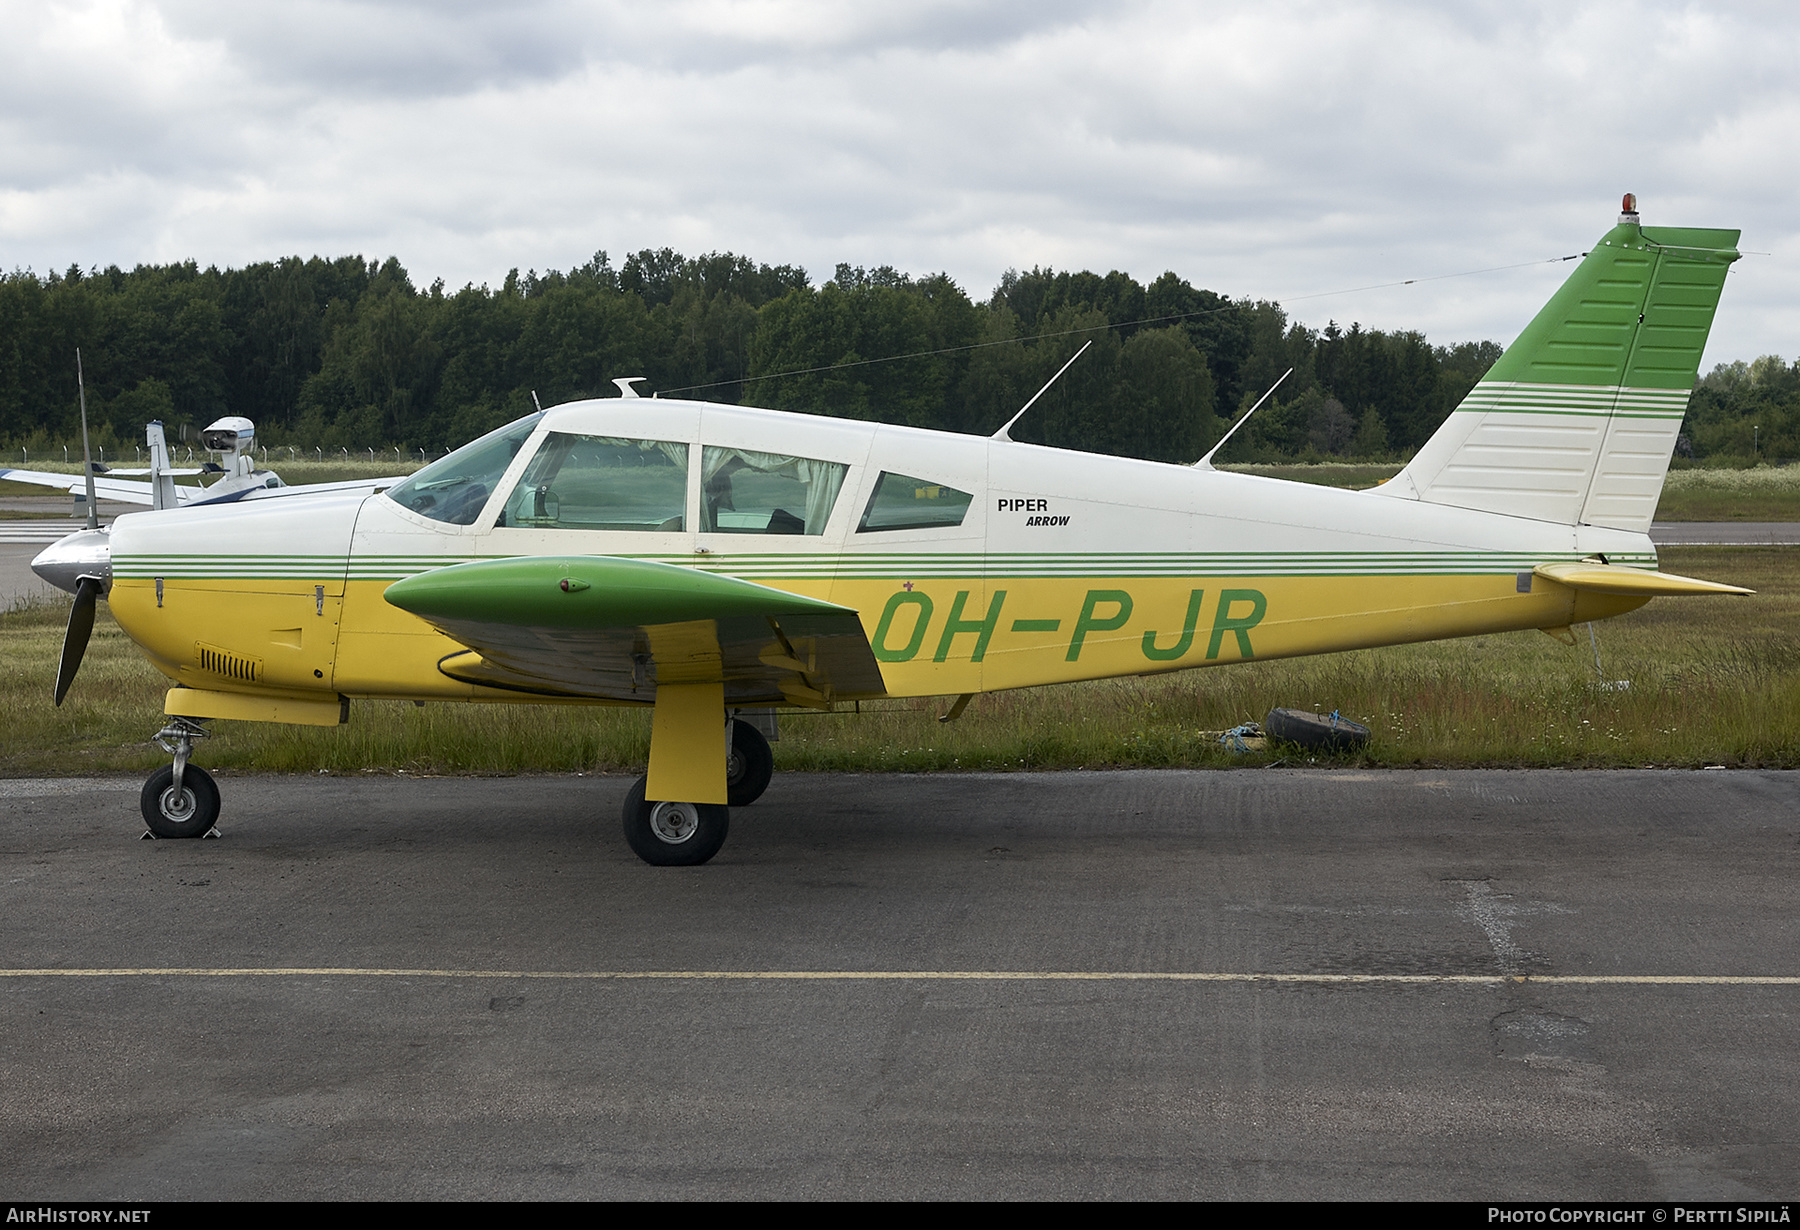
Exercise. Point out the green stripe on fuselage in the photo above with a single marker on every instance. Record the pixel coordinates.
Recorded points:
(916, 566)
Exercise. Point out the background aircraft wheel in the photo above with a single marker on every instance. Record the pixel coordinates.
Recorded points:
(748, 766)
(673, 834)
(191, 814)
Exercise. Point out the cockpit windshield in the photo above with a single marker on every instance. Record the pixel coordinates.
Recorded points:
(455, 488)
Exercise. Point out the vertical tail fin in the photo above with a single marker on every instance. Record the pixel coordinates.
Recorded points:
(1577, 421)
(162, 483)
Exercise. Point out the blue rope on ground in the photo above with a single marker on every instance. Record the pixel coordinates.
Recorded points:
(1234, 738)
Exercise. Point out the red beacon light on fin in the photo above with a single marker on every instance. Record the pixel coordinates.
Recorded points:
(1628, 210)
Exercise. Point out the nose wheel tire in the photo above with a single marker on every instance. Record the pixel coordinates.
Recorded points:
(190, 813)
(667, 834)
(748, 765)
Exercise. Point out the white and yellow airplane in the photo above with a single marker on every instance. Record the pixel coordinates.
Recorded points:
(709, 559)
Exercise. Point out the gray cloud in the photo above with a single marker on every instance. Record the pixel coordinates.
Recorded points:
(1270, 150)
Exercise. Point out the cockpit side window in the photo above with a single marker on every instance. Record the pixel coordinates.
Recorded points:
(902, 502)
(455, 488)
(746, 492)
(578, 482)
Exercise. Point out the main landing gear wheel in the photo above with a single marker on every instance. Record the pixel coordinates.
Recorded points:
(748, 766)
(673, 834)
(191, 812)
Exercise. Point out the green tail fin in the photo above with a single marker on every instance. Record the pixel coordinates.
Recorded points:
(1577, 421)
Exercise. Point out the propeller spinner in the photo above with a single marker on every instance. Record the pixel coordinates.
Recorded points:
(82, 564)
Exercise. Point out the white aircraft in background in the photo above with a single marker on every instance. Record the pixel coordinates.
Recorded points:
(231, 439)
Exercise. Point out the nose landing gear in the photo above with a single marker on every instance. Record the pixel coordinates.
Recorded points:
(180, 800)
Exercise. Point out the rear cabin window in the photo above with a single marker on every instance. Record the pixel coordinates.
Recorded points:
(746, 492)
(902, 502)
(578, 482)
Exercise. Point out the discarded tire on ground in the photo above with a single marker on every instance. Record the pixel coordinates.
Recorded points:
(1325, 732)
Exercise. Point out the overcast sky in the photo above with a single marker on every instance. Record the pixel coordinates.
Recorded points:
(1263, 149)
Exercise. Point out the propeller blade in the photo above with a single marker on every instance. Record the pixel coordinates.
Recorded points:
(75, 640)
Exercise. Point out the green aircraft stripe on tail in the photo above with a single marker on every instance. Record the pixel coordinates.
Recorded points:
(1602, 400)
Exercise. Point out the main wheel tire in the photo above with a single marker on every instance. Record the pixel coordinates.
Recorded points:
(673, 834)
(191, 814)
(748, 766)
(1319, 731)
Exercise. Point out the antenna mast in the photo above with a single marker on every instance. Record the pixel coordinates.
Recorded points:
(1001, 434)
(1205, 463)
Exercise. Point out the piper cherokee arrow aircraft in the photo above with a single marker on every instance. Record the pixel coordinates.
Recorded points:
(705, 560)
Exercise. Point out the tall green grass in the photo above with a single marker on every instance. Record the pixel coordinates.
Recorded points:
(1765, 493)
(1711, 681)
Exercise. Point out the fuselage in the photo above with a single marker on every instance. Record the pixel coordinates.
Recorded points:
(1056, 566)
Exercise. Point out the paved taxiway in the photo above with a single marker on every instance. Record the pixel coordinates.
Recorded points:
(489, 1060)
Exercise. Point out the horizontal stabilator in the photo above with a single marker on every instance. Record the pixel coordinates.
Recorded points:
(1614, 579)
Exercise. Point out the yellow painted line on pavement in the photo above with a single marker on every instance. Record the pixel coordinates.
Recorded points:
(910, 976)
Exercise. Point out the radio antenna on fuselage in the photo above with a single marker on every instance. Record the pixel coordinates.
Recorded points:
(1205, 463)
(1001, 434)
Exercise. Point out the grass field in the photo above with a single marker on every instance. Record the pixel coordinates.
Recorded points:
(1713, 681)
(1766, 493)
(1326, 473)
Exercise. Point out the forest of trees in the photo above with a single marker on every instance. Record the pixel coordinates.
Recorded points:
(347, 353)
